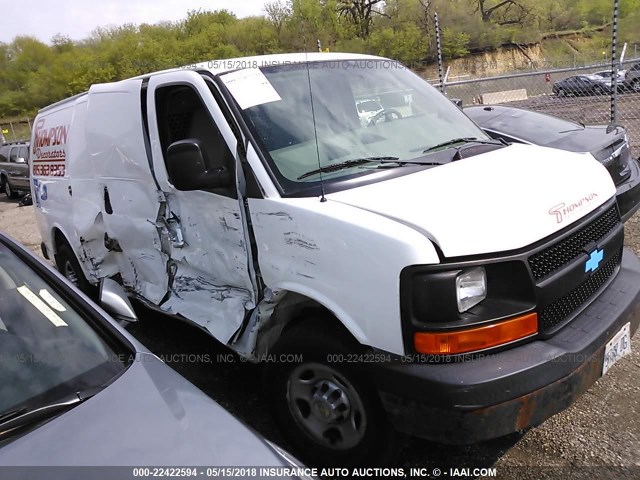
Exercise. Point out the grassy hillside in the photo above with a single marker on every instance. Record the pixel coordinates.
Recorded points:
(34, 74)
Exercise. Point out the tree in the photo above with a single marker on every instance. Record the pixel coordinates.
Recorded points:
(253, 36)
(509, 11)
(361, 13)
(313, 20)
(278, 12)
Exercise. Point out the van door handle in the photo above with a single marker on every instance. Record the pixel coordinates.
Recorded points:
(70, 191)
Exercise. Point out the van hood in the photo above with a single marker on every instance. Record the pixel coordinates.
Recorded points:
(494, 202)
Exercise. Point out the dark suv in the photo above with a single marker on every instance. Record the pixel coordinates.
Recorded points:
(14, 168)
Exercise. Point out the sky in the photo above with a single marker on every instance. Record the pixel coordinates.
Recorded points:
(78, 18)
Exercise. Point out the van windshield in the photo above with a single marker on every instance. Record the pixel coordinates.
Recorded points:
(362, 109)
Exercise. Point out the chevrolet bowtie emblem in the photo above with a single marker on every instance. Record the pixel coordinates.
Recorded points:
(594, 261)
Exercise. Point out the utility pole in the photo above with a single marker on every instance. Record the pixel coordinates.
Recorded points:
(614, 65)
(439, 52)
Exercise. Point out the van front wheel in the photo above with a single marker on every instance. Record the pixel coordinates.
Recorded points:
(326, 407)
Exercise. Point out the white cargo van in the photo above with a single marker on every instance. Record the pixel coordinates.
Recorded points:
(436, 282)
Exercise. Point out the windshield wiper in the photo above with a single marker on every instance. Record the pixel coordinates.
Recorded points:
(464, 140)
(347, 164)
(23, 417)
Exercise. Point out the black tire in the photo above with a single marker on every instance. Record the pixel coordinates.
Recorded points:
(8, 190)
(337, 389)
(68, 265)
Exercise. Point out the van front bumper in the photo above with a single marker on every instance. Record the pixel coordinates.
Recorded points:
(498, 394)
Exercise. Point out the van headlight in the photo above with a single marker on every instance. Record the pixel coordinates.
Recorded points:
(471, 288)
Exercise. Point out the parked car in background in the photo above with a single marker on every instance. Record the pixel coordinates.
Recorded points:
(14, 168)
(610, 146)
(77, 390)
(582, 85)
(632, 78)
(607, 75)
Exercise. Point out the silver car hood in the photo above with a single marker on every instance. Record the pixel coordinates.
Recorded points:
(149, 416)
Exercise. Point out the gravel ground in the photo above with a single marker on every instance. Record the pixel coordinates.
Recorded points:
(601, 429)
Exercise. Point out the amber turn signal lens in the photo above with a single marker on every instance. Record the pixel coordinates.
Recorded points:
(479, 338)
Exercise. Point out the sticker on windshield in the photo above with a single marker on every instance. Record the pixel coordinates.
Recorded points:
(41, 306)
(250, 88)
(52, 301)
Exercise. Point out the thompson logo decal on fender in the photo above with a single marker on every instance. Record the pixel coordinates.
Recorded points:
(563, 211)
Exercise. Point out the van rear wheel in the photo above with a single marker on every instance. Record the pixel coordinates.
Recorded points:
(68, 265)
(327, 409)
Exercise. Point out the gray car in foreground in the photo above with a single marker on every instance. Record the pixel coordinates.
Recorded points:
(77, 390)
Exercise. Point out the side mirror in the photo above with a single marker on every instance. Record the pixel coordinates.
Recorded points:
(188, 170)
(113, 299)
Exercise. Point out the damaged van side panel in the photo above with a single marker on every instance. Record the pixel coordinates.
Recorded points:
(210, 284)
(129, 203)
(340, 264)
(88, 228)
(211, 281)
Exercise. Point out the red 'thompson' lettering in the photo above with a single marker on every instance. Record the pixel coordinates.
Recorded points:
(562, 210)
(49, 150)
(50, 137)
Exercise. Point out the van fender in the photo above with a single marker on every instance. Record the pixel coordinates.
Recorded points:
(281, 307)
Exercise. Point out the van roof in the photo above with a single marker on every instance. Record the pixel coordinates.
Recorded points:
(220, 66)
(217, 67)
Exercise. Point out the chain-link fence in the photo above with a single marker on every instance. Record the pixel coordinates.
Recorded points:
(15, 131)
(580, 94)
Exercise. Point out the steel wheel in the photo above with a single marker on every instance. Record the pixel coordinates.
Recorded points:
(636, 86)
(69, 272)
(326, 405)
(329, 411)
